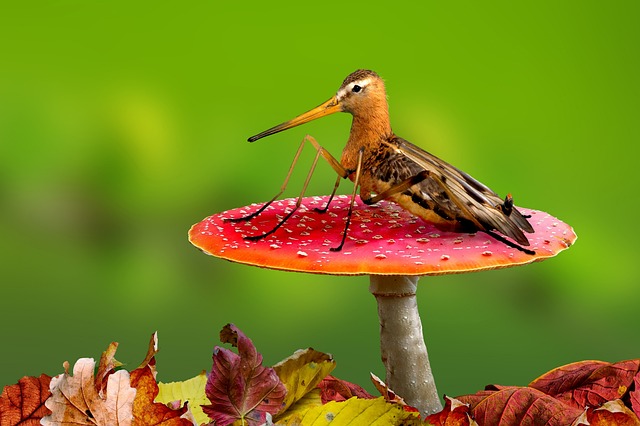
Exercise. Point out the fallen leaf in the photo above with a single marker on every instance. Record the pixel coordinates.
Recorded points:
(301, 372)
(390, 395)
(634, 396)
(454, 413)
(239, 387)
(513, 406)
(611, 413)
(107, 365)
(354, 411)
(75, 400)
(152, 350)
(191, 391)
(23, 403)
(334, 389)
(588, 383)
(145, 411)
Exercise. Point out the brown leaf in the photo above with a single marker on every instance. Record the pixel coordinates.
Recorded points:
(454, 413)
(23, 403)
(334, 389)
(75, 400)
(150, 359)
(389, 395)
(588, 383)
(146, 412)
(512, 406)
(611, 413)
(107, 365)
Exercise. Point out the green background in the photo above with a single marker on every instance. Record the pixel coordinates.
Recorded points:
(123, 123)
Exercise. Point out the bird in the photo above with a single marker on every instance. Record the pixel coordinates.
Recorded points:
(384, 166)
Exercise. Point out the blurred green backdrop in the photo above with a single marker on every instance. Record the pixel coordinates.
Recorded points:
(123, 123)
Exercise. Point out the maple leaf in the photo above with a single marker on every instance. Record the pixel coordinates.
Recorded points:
(75, 399)
(23, 403)
(239, 387)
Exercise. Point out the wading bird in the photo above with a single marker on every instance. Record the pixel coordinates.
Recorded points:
(387, 167)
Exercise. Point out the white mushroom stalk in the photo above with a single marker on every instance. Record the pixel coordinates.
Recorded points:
(402, 345)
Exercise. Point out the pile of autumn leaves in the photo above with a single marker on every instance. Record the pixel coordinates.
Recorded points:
(300, 391)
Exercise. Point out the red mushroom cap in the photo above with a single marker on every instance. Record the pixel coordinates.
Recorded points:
(382, 239)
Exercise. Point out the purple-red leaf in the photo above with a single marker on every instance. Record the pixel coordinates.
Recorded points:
(239, 387)
(334, 389)
(588, 383)
(635, 395)
(513, 406)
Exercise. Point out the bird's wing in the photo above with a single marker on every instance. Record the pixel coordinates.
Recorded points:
(472, 200)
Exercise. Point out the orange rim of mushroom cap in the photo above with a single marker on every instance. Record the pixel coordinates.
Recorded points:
(382, 239)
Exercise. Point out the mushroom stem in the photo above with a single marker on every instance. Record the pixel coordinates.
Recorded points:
(404, 353)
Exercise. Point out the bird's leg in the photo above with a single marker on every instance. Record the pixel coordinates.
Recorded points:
(356, 183)
(320, 152)
(333, 193)
(335, 164)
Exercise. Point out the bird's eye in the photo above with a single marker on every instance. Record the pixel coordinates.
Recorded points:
(356, 89)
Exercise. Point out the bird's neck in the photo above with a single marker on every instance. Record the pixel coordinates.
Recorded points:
(369, 128)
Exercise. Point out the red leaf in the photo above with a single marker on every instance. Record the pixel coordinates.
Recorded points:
(511, 406)
(23, 403)
(454, 413)
(588, 383)
(239, 387)
(334, 389)
(635, 395)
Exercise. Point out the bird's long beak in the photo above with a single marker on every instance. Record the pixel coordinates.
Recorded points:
(329, 107)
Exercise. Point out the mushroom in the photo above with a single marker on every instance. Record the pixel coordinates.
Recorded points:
(390, 245)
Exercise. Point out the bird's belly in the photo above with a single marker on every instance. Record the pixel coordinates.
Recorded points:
(407, 203)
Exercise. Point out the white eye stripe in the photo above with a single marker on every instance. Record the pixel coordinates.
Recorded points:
(349, 87)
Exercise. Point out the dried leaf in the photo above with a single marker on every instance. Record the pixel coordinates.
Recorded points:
(107, 365)
(23, 403)
(152, 350)
(239, 387)
(588, 383)
(512, 406)
(454, 413)
(75, 400)
(611, 413)
(634, 396)
(334, 389)
(149, 413)
(355, 411)
(191, 391)
(390, 395)
(301, 372)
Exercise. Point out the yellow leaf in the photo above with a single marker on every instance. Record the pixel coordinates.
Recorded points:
(191, 390)
(302, 372)
(354, 412)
